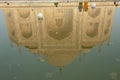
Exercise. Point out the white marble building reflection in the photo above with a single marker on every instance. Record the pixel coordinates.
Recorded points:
(62, 33)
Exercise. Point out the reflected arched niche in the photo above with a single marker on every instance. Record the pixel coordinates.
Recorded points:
(26, 30)
(23, 13)
(60, 27)
(92, 29)
(94, 12)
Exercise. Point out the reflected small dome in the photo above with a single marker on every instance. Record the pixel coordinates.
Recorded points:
(31, 47)
(87, 47)
(24, 13)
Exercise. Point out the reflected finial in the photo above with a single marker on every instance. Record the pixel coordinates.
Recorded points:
(20, 51)
(81, 57)
(99, 48)
(60, 69)
(60, 72)
(108, 42)
(11, 45)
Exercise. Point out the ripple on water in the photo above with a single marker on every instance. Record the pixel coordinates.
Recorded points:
(49, 75)
(14, 77)
(114, 75)
(9, 66)
(18, 65)
(117, 59)
(41, 59)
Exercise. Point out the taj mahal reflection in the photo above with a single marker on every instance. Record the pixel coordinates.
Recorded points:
(63, 32)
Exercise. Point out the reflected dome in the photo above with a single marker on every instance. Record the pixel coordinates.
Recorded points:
(60, 58)
(24, 13)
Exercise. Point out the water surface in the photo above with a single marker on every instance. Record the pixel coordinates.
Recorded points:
(65, 45)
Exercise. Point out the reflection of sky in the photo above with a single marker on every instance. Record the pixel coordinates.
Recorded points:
(94, 66)
(116, 26)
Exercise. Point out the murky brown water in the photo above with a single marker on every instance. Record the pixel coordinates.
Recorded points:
(64, 45)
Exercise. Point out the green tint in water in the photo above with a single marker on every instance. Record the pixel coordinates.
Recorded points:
(65, 45)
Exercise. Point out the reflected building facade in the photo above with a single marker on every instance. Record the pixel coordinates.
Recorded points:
(62, 33)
